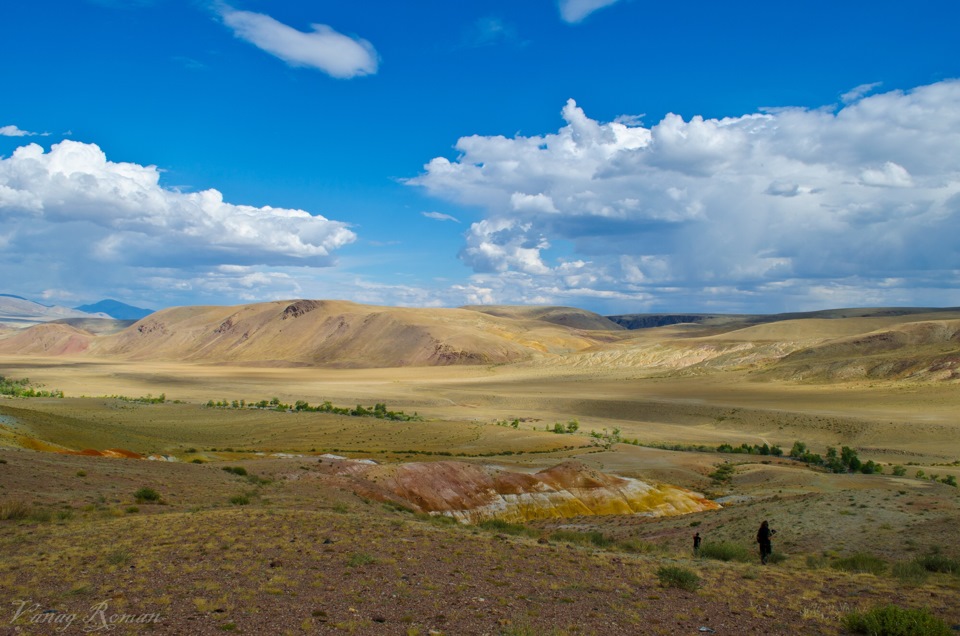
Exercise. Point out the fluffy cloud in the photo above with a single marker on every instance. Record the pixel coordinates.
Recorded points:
(576, 10)
(333, 53)
(790, 201)
(73, 214)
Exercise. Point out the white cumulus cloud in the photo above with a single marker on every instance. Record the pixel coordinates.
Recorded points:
(72, 213)
(323, 48)
(782, 201)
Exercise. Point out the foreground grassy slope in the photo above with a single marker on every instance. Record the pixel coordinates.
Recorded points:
(298, 556)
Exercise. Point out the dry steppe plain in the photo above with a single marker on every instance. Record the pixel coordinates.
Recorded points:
(290, 549)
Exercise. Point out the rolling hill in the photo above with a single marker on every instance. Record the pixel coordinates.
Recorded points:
(337, 334)
(827, 346)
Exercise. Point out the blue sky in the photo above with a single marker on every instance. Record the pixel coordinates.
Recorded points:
(617, 155)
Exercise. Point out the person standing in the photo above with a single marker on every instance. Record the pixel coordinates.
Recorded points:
(764, 535)
(696, 544)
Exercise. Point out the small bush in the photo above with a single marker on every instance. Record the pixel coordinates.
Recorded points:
(14, 510)
(776, 557)
(911, 572)
(936, 562)
(891, 620)
(682, 578)
(239, 500)
(861, 562)
(81, 473)
(499, 525)
(726, 551)
(236, 470)
(360, 558)
(146, 494)
(596, 539)
(41, 515)
(119, 557)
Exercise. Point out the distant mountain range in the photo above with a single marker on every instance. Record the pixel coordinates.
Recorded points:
(116, 309)
(16, 311)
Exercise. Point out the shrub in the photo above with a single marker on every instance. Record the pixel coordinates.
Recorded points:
(861, 562)
(239, 500)
(910, 572)
(41, 515)
(682, 578)
(499, 525)
(360, 558)
(726, 551)
(582, 538)
(936, 562)
(236, 470)
(899, 471)
(14, 510)
(891, 620)
(146, 494)
(776, 557)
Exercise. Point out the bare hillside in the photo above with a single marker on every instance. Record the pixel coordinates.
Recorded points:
(338, 334)
(818, 347)
(876, 345)
(565, 316)
(928, 350)
(48, 339)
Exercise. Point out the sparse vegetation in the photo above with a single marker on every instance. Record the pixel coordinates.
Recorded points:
(727, 551)
(143, 399)
(723, 474)
(515, 529)
(861, 562)
(892, 620)
(678, 577)
(360, 558)
(378, 410)
(595, 539)
(146, 495)
(14, 510)
(935, 561)
(910, 572)
(22, 388)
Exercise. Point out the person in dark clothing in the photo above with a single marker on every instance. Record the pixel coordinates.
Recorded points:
(764, 535)
(696, 544)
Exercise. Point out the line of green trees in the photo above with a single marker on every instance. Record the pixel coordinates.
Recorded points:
(379, 410)
(22, 388)
(846, 461)
(143, 399)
